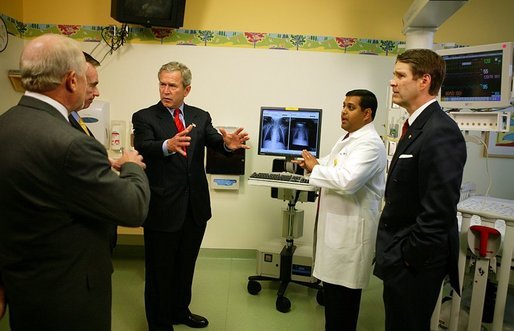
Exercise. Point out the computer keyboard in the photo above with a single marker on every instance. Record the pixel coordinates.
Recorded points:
(280, 176)
(281, 180)
(488, 207)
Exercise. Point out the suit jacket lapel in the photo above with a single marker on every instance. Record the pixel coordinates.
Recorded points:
(77, 126)
(170, 129)
(190, 116)
(74, 123)
(166, 120)
(414, 131)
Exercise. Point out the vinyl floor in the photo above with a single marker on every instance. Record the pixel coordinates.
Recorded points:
(220, 294)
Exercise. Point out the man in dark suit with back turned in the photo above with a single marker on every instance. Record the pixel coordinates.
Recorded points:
(179, 205)
(417, 241)
(59, 198)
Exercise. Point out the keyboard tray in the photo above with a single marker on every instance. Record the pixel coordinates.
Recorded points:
(281, 180)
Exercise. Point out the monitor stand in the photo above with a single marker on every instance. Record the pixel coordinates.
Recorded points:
(291, 167)
(285, 165)
(293, 228)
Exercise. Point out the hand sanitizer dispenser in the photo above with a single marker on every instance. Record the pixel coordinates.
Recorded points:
(116, 141)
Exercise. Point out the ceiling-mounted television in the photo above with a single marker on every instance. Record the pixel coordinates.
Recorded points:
(164, 13)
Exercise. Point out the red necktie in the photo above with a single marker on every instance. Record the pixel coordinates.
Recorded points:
(178, 122)
(405, 128)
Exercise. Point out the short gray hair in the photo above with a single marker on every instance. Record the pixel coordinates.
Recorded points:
(177, 66)
(46, 60)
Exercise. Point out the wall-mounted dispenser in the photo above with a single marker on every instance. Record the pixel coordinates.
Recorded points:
(118, 135)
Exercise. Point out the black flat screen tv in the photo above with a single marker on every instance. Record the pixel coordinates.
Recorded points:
(149, 13)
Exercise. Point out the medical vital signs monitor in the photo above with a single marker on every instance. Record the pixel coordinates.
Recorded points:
(477, 77)
(287, 131)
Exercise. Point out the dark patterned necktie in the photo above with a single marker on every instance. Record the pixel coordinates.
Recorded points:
(405, 128)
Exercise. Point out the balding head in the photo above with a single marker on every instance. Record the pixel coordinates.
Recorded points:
(54, 65)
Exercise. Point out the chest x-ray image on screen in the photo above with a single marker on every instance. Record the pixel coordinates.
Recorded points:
(288, 131)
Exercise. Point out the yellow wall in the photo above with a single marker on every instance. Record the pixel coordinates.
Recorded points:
(323, 17)
(12, 8)
(87, 12)
(478, 22)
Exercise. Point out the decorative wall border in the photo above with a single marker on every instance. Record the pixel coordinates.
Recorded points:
(168, 36)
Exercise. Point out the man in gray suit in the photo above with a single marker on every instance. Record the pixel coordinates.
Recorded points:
(59, 198)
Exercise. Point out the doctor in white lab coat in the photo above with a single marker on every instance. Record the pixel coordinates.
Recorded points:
(352, 181)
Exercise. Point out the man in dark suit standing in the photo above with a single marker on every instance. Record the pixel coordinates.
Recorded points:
(172, 137)
(59, 198)
(417, 241)
(76, 121)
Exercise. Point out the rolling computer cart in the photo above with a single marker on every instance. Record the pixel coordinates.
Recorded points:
(286, 262)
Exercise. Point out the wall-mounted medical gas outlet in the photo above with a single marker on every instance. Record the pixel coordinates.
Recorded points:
(482, 121)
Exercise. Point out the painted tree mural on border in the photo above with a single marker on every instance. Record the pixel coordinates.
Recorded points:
(191, 37)
(344, 43)
(161, 33)
(205, 36)
(297, 40)
(387, 45)
(68, 30)
(21, 28)
(254, 37)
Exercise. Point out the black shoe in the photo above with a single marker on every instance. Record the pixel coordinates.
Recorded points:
(152, 327)
(193, 321)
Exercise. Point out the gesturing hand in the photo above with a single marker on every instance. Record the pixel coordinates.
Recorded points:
(179, 142)
(236, 139)
(308, 162)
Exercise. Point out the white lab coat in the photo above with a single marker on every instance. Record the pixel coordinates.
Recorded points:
(352, 181)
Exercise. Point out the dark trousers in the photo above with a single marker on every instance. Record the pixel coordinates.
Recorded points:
(170, 259)
(410, 298)
(342, 306)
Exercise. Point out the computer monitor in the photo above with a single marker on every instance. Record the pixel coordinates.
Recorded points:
(477, 77)
(287, 131)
